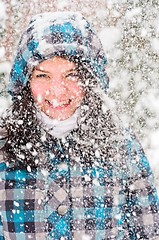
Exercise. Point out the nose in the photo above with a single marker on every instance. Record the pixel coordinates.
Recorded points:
(58, 87)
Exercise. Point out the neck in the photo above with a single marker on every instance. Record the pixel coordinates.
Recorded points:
(56, 128)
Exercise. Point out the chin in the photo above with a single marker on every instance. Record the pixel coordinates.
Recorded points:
(60, 116)
(63, 117)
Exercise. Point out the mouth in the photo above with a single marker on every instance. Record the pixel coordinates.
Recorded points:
(58, 105)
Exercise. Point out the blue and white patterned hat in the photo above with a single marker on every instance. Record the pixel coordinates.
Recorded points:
(57, 33)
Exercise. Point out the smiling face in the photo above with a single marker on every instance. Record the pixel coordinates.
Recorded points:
(55, 86)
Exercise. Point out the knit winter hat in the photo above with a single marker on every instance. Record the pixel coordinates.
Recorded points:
(57, 33)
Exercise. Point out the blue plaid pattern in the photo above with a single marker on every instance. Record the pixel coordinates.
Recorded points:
(50, 34)
(111, 200)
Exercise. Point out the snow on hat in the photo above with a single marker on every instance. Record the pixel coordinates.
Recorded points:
(57, 33)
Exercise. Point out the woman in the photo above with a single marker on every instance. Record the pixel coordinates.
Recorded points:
(68, 170)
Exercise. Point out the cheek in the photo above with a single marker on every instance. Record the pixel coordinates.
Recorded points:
(38, 91)
(77, 91)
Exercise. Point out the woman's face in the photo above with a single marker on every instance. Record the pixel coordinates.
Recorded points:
(55, 86)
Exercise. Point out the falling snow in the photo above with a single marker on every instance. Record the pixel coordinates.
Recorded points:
(129, 32)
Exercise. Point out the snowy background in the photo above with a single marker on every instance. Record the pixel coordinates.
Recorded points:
(129, 31)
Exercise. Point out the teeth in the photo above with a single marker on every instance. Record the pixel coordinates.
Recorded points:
(55, 103)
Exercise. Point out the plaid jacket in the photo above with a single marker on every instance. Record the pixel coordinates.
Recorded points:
(74, 202)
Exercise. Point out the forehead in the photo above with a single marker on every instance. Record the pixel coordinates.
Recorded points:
(56, 63)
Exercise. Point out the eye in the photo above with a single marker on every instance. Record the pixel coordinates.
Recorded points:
(42, 76)
(72, 76)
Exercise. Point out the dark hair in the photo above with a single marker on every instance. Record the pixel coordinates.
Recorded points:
(25, 142)
(25, 145)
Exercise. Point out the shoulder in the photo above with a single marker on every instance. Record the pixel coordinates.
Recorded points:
(137, 159)
(132, 143)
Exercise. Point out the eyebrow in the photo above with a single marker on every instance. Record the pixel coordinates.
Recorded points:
(38, 69)
(72, 69)
(41, 70)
